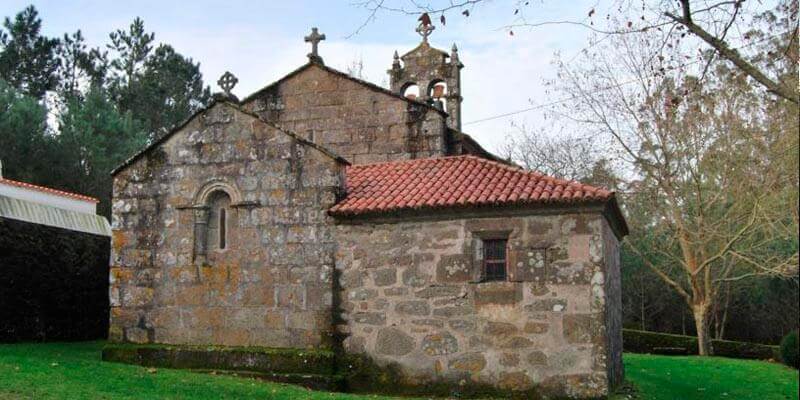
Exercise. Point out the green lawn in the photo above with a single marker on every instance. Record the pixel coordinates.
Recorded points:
(74, 371)
(692, 377)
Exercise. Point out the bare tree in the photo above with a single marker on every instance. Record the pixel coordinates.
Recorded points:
(559, 154)
(717, 187)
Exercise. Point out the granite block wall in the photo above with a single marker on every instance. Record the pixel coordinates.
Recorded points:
(271, 286)
(359, 123)
(411, 299)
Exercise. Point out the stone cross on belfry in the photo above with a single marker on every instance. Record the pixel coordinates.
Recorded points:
(425, 29)
(314, 38)
(227, 81)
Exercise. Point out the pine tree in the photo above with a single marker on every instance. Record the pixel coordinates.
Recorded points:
(28, 60)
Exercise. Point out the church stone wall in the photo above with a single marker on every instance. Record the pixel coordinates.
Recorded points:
(411, 303)
(272, 285)
(359, 123)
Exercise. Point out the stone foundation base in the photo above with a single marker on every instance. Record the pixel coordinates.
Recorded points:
(315, 369)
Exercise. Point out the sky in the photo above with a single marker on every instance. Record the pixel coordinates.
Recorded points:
(261, 41)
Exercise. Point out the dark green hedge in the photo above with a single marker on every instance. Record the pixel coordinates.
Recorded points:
(789, 350)
(53, 283)
(635, 341)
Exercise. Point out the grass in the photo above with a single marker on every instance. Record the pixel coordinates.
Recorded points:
(74, 371)
(692, 377)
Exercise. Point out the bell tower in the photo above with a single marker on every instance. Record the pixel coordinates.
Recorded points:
(430, 75)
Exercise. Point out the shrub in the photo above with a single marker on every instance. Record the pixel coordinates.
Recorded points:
(789, 349)
(636, 341)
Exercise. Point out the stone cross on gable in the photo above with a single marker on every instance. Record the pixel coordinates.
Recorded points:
(227, 81)
(314, 38)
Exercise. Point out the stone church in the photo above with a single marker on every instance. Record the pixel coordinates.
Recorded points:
(326, 213)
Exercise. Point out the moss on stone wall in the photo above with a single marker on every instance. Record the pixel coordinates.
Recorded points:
(256, 359)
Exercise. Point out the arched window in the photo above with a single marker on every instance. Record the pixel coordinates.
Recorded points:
(219, 204)
(410, 91)
(437, 90)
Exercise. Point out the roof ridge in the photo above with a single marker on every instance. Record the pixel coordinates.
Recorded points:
(457, 181)
(504, 166)
(45, 189)
(345, 75)
(412, 160)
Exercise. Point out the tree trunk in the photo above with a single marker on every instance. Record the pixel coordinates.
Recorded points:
(641, 297)
(701, 322)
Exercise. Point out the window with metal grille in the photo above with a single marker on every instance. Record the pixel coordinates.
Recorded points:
(494, 260)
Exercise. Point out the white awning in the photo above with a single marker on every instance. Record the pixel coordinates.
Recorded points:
(23, 210)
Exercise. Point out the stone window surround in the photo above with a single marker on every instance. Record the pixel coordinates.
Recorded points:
(201, 211)
(478, 237)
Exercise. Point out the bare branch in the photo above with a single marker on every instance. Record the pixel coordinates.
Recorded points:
(731, 54)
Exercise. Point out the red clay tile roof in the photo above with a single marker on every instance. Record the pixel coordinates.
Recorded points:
(433, 183)
(48, 190)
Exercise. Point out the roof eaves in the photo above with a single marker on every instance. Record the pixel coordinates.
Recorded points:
(48, 190)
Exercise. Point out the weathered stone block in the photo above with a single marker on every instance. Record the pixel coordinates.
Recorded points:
(393, 342)
(429, 322)
(454, 268)
(514, 381)
(498, 293)
(509, 359)
(500, 329)
(469, 362)
(454, 311)
(438, 291)
(384, 277)
(537, 358)
(362, 294)
(581, 328)
(439, 344)
(462, 325)
(413, 307)
(536, 328)
(370, 318)
(540, 305)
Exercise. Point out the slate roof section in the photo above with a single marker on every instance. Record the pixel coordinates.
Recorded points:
(457, 182)
(48, 190)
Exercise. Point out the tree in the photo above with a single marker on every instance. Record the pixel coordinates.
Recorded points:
(94, 138)
(714, 181)
(172, 90)
(160, 88)
(562, 155)
(78, 66)
(24, 142)
(709, 22)
(28, 60)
